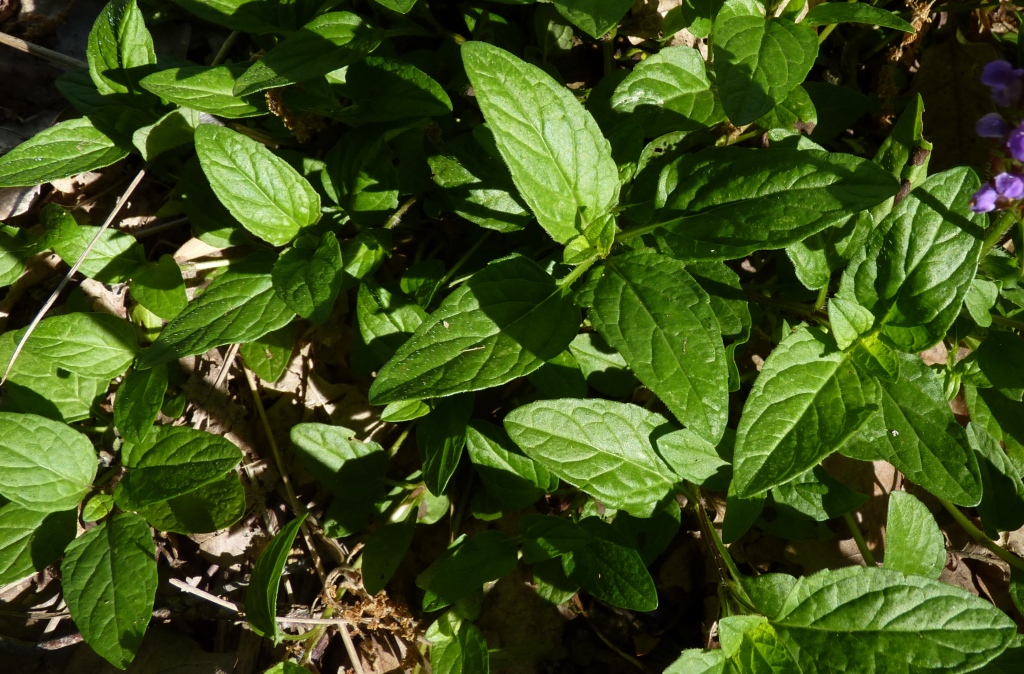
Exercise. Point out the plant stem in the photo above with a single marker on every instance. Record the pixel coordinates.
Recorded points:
(819, 302)
(397, 216)
(828, 29)
(578, 271)
(858, 536)
(978, 535)
(1003, 224)
(786, 305)
(1008, 322)
(462, 260)
(122, 200)
(222, 53)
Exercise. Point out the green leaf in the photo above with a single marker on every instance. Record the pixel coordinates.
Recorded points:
(386, 321)
(1001, 359)
(405, 411)
(286, 667)
(1002, 501)
(457, 646)
(309, 280)
(116, 256)
(1009, 662)
(173, 134)
(37, 386)
(30, 541)
(328, 42)
(268, 356)
(817, 495)
(848, 321)
(752, 645)
(602, 447)
(593, 17)
(560, 162)
(915, 431)
(63, 150)
(758, 60)
(89, 344)
(548, 537)
(265, 582)
(361, 177)
(727, 202)
(980, 298)
(119, 48)
(877, 620)
(212, 507)
(160, 288)
(696, 661)
(656, 315)
(610, 569)
(668, 91)
(514, 479)
(502, 323)
(795, 113)
(560, 377)
(16, 246)
(919, 262)
(240, 171)
(352, 470)
(384, 551)
(913, 542)
(465, 566)
(109, 579)
(441, 436)
(477, 186)
(805, 403)
(238, 307)
(45, 465)
(400, 6)
(137, 404)
(858, 12)
(386, 90)
(171, 461)
(96, 507)
(693, 458)
(207, 89)
(252, 17)
(603, 367)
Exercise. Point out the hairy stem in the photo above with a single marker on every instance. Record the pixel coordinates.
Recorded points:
(858, 537)
(978, 535)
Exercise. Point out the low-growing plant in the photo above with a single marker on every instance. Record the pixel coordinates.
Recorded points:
(671, 290)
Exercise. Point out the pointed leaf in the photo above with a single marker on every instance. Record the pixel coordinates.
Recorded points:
(309, 280)
(44, 465)
(441, 437)
(265, 582)
(913, 542)
(207, 89)
(30, 541)
(139, 399)
(63, 150)
(119, 48)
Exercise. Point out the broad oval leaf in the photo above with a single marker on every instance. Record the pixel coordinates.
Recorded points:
(212, 507)
(109, 578)
(90, 344)
(386, 320)
(603, 447)
(238, 307)
(352, 470)
(260, 189)
(31, 540)
(309, 280)
(916, 432)
(610, 569)
(920, 261)
(207, 89)
(511, 477)
(502, 323)
(441, 437)
(807, 400)
(63, 150)
(914, 544)
(119, 48)
(1002, 500)
(465, 566)
(44, 465)
(560, 162)
(160, 288)
(758, 60)
(457, 646)
(668, 91)
(593, 17)
(753, 645)
(856, 12)
(328, 42)
(268, 356)
(138, 402)
(876, 620)
(172, 461)
(656, 315)
(114, 258)
(726, 202)
(265, 582)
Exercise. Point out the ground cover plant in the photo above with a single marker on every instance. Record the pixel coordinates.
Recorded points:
(526, 336)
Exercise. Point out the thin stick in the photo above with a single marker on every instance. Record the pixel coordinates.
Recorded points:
(858, 537)
(229, 358)
(74, 268)
(212, 598)
(397, 216)
(42, 52)
(222, 53)
(293, 500)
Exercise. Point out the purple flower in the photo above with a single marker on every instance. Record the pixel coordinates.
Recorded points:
(1007, 188)
(1006, 82)
(992, 125)
(1015, 143)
